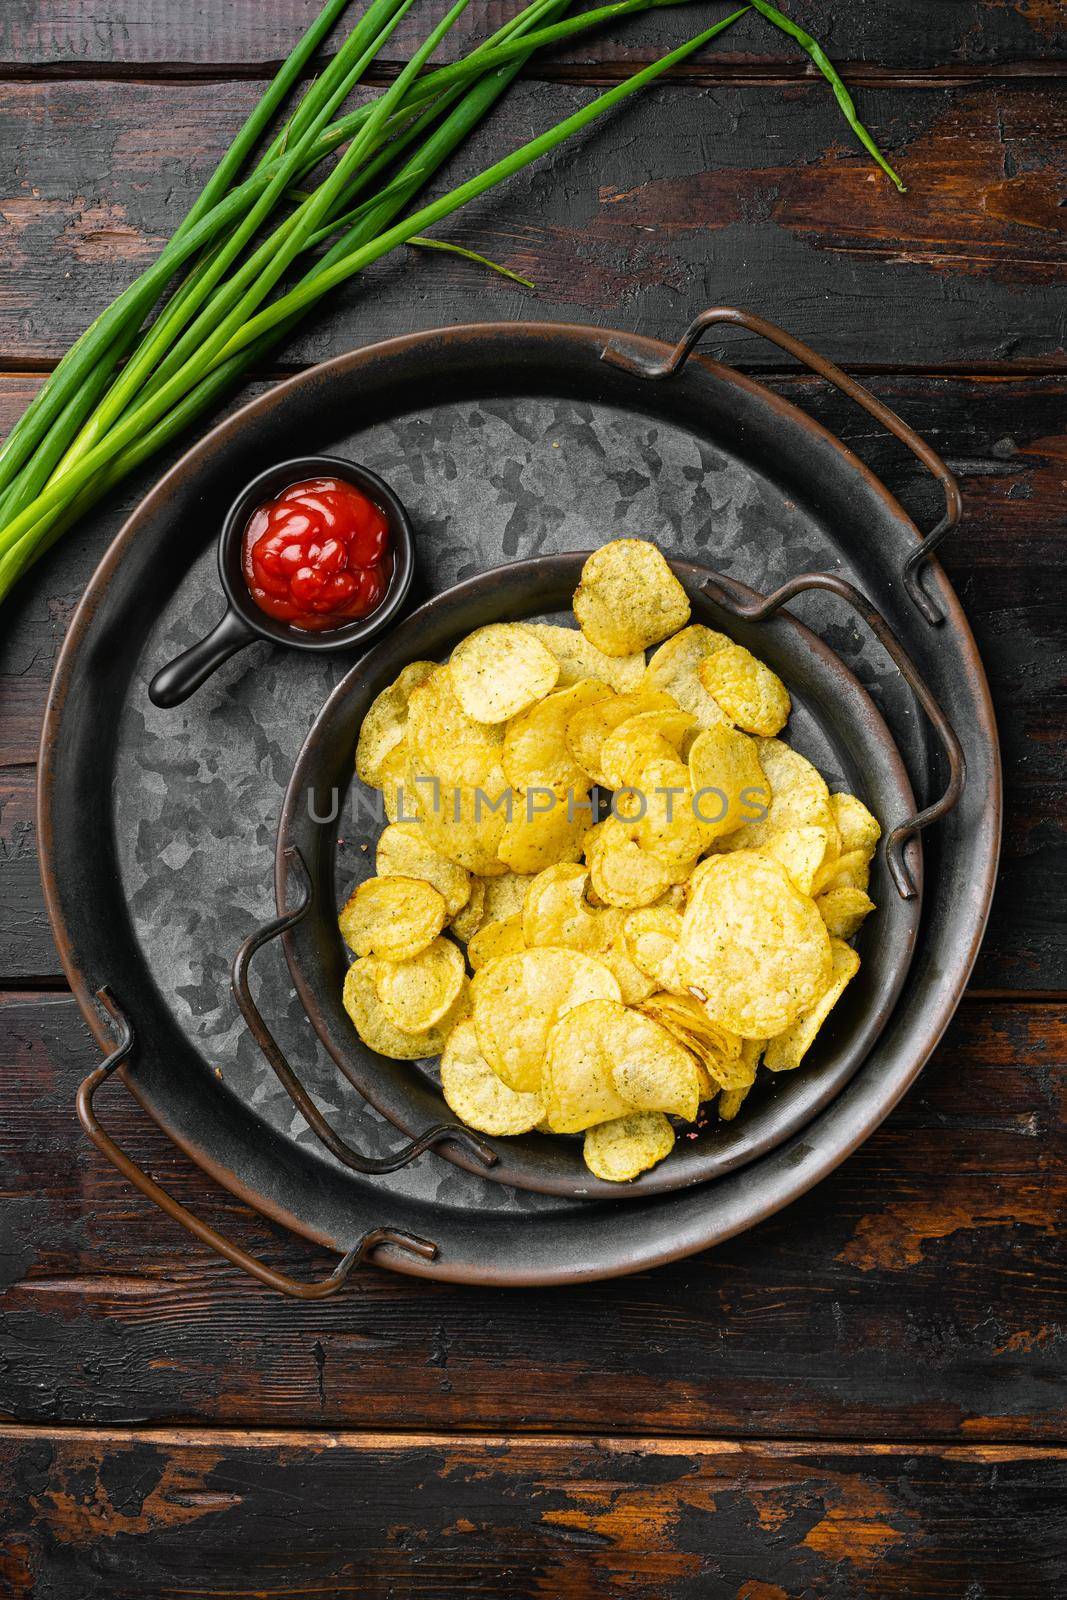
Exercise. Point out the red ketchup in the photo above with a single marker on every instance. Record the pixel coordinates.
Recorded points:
(318, 555)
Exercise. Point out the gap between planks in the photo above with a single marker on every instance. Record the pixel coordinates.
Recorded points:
(275, 1438)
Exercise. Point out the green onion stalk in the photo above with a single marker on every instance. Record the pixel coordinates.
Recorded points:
(260, 247)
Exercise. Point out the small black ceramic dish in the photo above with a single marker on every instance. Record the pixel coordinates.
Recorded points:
(243, 621)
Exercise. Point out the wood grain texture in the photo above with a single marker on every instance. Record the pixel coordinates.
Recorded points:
(906, 35)
(1005, 438)
(682, 198)
(172, 1514)
(916, 1294)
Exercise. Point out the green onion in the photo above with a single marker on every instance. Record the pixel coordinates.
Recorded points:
(830, 73)
(231, 261)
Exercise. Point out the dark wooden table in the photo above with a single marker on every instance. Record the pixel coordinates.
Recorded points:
(863, 1397)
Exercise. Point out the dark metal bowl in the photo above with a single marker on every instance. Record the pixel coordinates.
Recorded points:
(834, 720)
(243, 621)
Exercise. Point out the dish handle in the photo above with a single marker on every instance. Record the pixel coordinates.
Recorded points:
(721, 591)
(643, 367)
(319, 1288)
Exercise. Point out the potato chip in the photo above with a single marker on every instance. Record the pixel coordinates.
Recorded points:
(399, 798)
(620, 872)
(394, 918)
(799, 797)
(506, 895)
(644, 737)
(465, 820)
(673, 668)
(628, 598)
(588, 728)
(477, 1096)
(858, 830)
(443, 739)
(850, 871)
(718, 1052)
(843, 910)
(374, 1027)
(518, 998)
(579, 659)
(465, 923)
(651, 936)
(405, 852)
(752, 695)
(801, 851)
(605, 1060)
(621, 1150)
(544, 828)
(416, 994)
(728, 782)
(499, 670)
(556, 912)
(788, 1048)
(753, 948)
(536, 755)
(730, 1102)
(658, 814)
(634, 985)
(496, 939)
(383, 726)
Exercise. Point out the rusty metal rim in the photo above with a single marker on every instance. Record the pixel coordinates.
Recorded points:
(788, 1172)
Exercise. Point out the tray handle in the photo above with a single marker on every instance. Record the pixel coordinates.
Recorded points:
(223, 1246)
(911, 571)
(288, 1078)
(721, 591)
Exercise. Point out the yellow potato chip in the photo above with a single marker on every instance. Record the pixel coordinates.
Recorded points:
(801, 851)
(536, 755)
(383, 726)
(394, 918)
(658, 813)
(499, 670)
(644, 737)
(401, 802)
(753, 949)
(752, 695)
(843, 910)
(442, 738)
(518, 998)
(634, 985)
(730, 1102)
(416, 994)
(621, 1150)
(651, 936)
(628, 598)
(579, 659)
(465, 821)
(544, 828)
(556, 912)
(477, 1096)
(718, 1052)
(506, 895)
(605, 1060)
(454, 769)
(858, 830)
(496, 939)
(620, 872)
(374, 1027)
(799, 797)
(673, 669)
(788, 1048)
(588, 728)
(405, 852)
(728, 783)
(465, 923)
(850, 871)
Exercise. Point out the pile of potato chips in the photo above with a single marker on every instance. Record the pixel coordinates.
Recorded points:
(628, 968)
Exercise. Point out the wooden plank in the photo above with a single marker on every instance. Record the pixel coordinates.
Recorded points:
(681, 199)
(906, 35)
(98, 1513)
(917, 1294)
(1006, 440)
